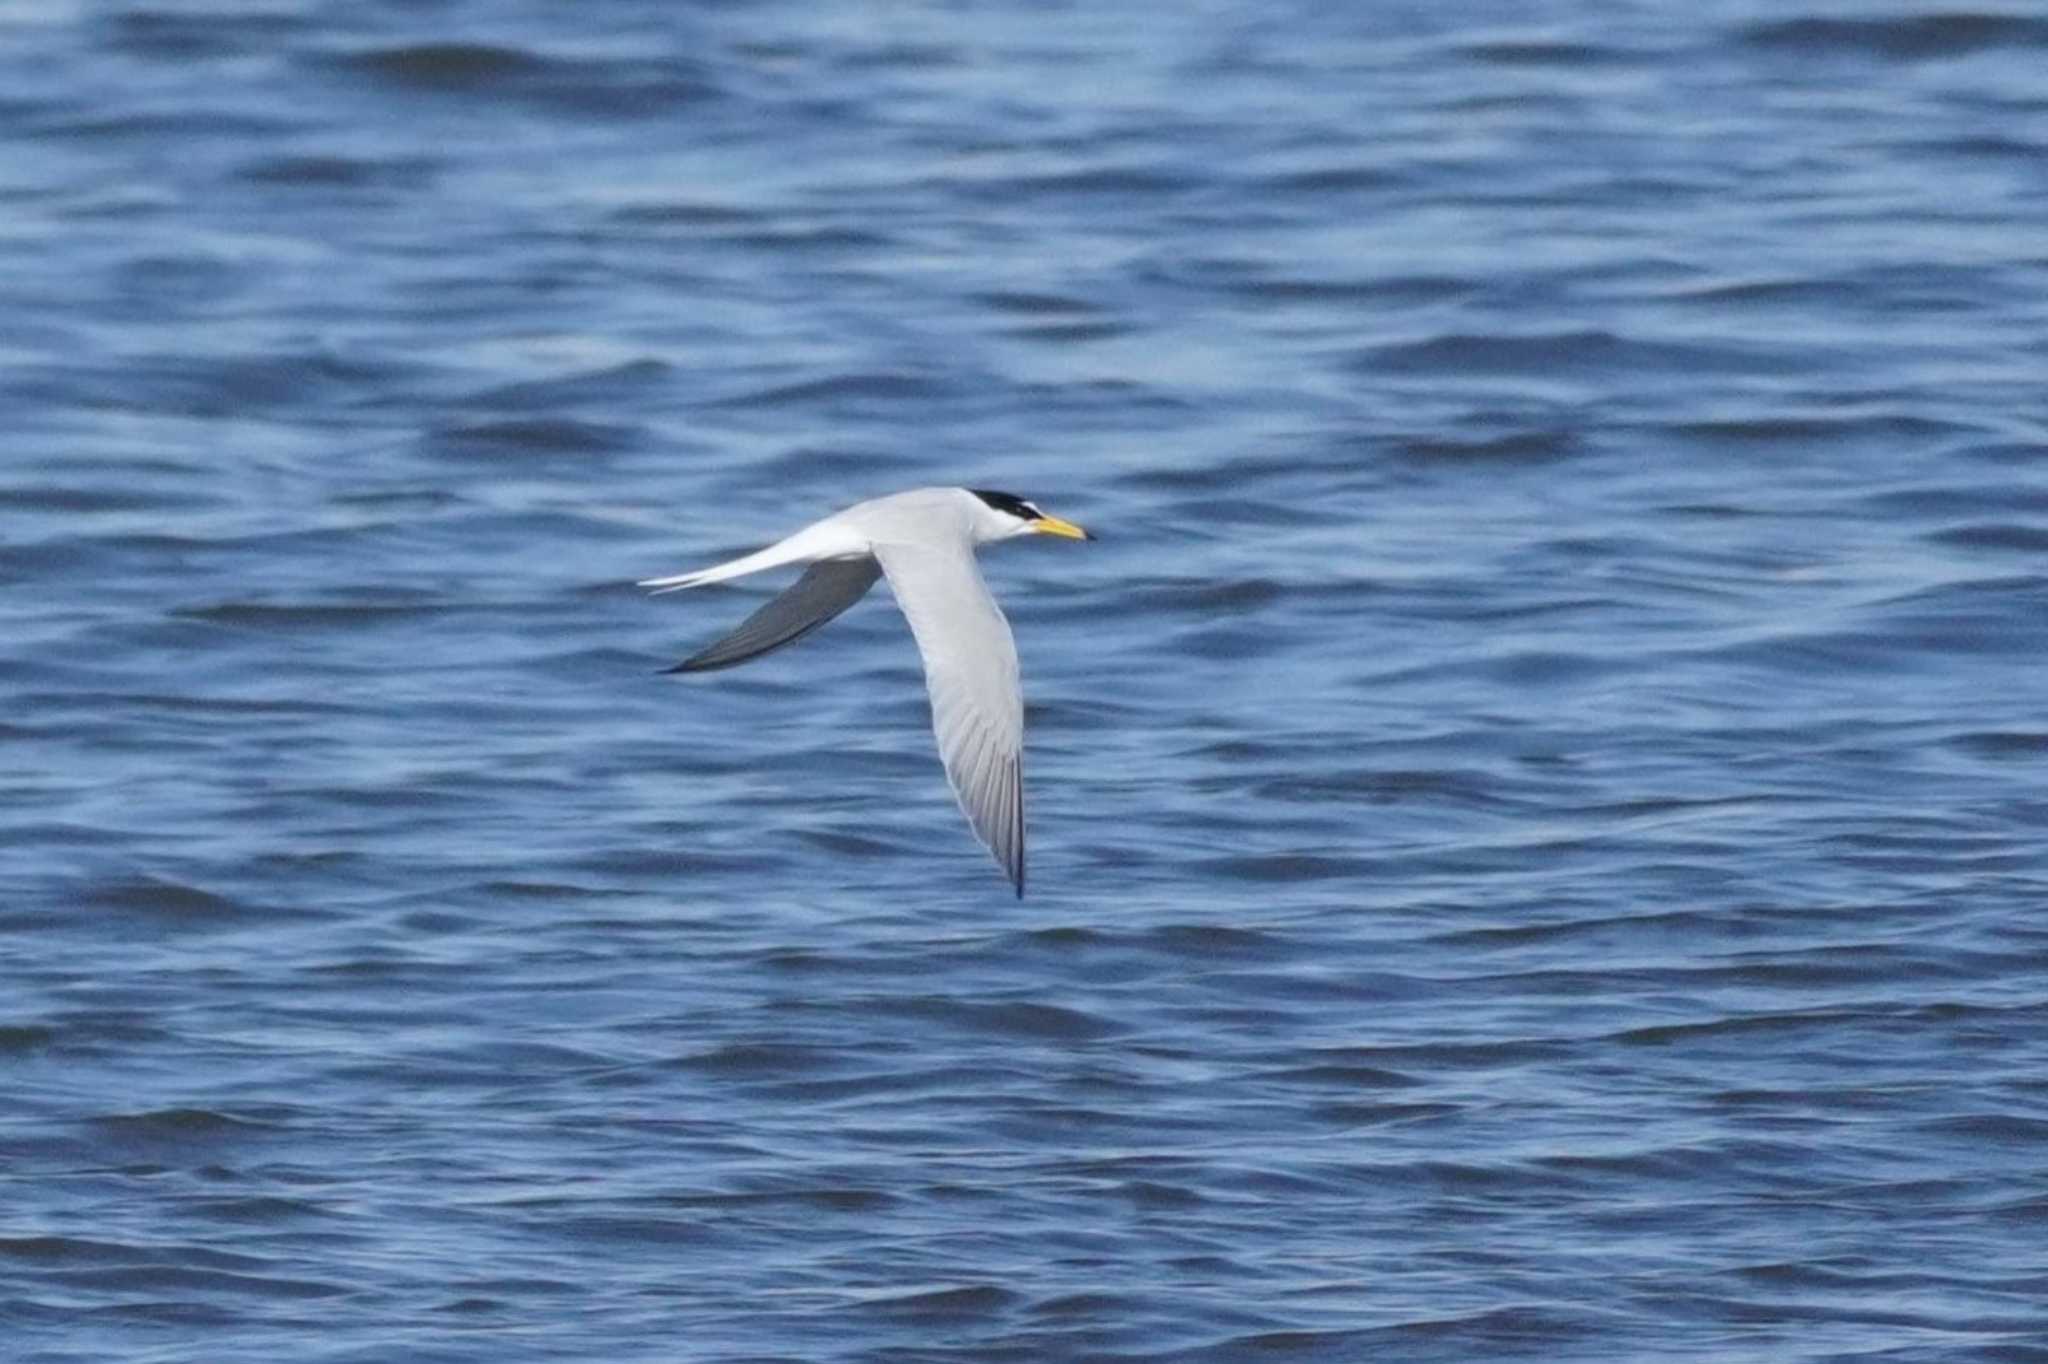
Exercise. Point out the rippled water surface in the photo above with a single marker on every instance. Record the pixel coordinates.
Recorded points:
(1537, 798)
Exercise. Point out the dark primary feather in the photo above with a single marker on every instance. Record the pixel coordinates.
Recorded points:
(827, 588)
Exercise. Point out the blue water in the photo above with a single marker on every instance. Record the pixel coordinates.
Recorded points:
(1537, 800)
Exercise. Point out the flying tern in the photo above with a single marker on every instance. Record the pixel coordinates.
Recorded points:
(924, 542)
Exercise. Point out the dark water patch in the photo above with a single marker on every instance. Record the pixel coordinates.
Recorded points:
(1985, 616)
(67, 1250)
(1203, 597)
(847, 391)
(24, 1039)
(232, 385)
(1130, 181)
(756, 1060)
(261, 1210)
(893, 1084)
(2022, 453)
(280, 616)
(1218, 943)
(181, 1279)
(602, 87)
(187, 124)
(1526, 447)
(185, 35)
(2003, 537)
(535, 436)
(1036, 305)
(1346, 1077)
(544, 890)
(1285, 867)
(1796, 292)
(1583, 352)
(331, 171)
(822, 238)
(153, 285)
(57, 499)
(1996, 1129)
(1540, 53)
(625, 385)
(188, 703)
(687, 213)
(1096, 1305)
(2003, 745)
(165, 900)
(1911, 37)
(166, 1129)
(1356, 1114)
(1477, 790)
(1333, 179)
(846, 466)
(1070, 333)
(1015, 1018)
(623, 1233)
(1781, 1026)
(1990, 146)
(844, 843)
(1945, 500)
(1807, 429)
(446, 65)
(908, 56)
(939, 1306)
(1394, 291)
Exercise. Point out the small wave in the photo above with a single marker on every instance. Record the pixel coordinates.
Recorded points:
(178, 1126)
(613, 383)
(331, 171)
(799, 240)
(540, 435)
(764, 1060)
(943, 1304)
(1286, 867)
(186, 35)
(1016, 1018)
(183, 1279)
(1521, 447)
(2003, 745)
(625, 88)
(1805, 429)
(18, 1039)
(1532, 52)
(161, 897)
(1339, 1076)
(840, 390)
(1914, 37)
(1034, 305)
(1116, 181)
(1547, 353)
(2000, 536)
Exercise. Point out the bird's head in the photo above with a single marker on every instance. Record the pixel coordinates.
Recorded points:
(998, 516)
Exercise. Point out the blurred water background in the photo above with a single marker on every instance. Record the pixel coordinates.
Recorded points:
(1537, 801)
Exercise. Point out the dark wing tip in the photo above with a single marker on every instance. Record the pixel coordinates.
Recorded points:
(1017, 815)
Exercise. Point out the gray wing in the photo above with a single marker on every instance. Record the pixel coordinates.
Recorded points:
(970, 669)
(827, 588)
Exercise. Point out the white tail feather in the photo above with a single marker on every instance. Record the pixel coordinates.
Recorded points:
(822, 540)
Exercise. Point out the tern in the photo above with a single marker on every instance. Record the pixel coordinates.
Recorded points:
(924, 542)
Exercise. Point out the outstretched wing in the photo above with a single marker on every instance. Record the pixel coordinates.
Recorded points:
(970, 669)
(827, 588)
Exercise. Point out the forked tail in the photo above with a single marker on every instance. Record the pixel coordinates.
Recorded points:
(776, 555)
